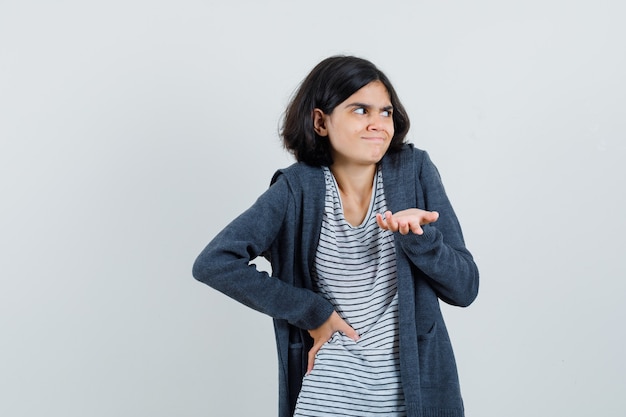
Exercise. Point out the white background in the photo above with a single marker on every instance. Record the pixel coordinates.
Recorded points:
(133, 131)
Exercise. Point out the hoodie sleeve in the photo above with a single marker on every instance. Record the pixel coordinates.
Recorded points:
(225, 264)
(440, 252)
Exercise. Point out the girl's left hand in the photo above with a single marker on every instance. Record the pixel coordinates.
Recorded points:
(405, 221)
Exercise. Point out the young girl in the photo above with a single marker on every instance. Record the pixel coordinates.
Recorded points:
(363, 243)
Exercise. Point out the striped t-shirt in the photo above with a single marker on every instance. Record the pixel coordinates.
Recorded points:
(355, 269)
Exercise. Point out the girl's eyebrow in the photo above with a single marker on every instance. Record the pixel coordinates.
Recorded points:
(368, 106)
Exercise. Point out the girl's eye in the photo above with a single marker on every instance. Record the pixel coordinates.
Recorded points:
(386, 113)
(359, 110)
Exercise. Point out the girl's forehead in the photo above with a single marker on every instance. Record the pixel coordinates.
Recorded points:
(374, 90)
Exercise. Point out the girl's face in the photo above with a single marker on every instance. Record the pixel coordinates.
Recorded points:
(359, 129)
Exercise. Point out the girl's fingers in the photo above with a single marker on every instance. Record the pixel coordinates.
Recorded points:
(311, 360)
(381, 222)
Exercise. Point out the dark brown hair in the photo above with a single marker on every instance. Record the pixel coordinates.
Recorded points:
(330, 83)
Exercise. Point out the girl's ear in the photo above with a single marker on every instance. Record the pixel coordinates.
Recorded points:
(319, 122)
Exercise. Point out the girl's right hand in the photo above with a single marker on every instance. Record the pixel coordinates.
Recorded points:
(323, 334)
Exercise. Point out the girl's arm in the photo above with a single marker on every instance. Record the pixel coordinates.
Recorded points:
(431, 237)
(225, 264)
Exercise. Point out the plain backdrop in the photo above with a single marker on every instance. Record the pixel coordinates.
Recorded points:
(133, 131)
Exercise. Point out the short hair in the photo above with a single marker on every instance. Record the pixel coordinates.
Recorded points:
(330, 83)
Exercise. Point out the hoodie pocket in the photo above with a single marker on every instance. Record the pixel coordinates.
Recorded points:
(436, 360)
(297, 367)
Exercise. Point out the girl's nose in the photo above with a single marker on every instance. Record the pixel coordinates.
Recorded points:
(377, 122)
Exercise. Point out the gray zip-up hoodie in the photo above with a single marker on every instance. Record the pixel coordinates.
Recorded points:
(284, 225)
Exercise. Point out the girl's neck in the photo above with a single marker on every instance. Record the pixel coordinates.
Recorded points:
(354, 180)
(355, 190)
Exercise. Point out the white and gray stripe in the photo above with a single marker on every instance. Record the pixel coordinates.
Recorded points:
(355, 269)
